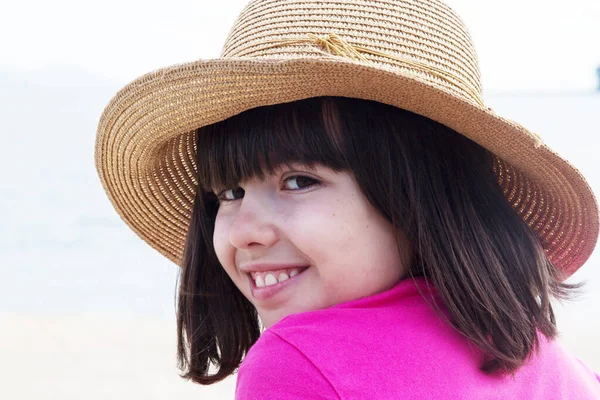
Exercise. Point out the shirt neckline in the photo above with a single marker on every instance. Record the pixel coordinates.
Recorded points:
(405, 287)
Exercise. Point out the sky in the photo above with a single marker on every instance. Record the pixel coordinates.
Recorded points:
(523, 45)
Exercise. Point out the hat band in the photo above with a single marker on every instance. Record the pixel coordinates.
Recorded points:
(335, 45)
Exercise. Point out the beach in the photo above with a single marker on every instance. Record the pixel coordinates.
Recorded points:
(99, 356)
(94, 357)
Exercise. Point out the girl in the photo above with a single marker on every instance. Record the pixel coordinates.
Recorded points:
(351, 220)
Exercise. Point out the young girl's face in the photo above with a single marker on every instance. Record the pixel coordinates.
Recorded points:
(305, 239)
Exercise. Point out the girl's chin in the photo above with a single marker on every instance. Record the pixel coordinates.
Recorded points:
(273, 316)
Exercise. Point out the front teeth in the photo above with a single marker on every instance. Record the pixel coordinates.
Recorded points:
(283, 277)
(270, 279)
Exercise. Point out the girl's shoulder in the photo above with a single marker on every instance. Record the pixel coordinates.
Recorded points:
(274, 368)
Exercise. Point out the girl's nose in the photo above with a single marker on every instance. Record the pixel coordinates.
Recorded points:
(254, 224)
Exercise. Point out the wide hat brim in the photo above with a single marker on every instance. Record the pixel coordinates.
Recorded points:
(145, 146)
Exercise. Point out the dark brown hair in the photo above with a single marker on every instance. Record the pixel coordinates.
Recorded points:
(435, 185)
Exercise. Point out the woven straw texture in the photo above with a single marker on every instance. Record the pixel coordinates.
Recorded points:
(413, 54)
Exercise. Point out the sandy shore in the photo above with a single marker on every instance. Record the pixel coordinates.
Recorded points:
(100, 357)
(94, 357)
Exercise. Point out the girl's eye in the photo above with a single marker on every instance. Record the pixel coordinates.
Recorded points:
(300, 182)
(296, 182)
(226, 195)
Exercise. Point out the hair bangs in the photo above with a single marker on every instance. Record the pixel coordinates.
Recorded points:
(263, 140)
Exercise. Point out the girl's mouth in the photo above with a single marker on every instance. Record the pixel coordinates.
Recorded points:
(268, 283)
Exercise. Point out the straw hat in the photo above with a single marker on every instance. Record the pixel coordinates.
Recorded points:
(412, 54)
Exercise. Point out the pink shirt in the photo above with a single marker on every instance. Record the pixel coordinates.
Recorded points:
(392, 345)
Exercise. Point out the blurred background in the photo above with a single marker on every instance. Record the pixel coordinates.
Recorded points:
(86, 307)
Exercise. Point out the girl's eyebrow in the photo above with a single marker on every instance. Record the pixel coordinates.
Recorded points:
(297, 164)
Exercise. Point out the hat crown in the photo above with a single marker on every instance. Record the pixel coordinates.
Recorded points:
(424, 38)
